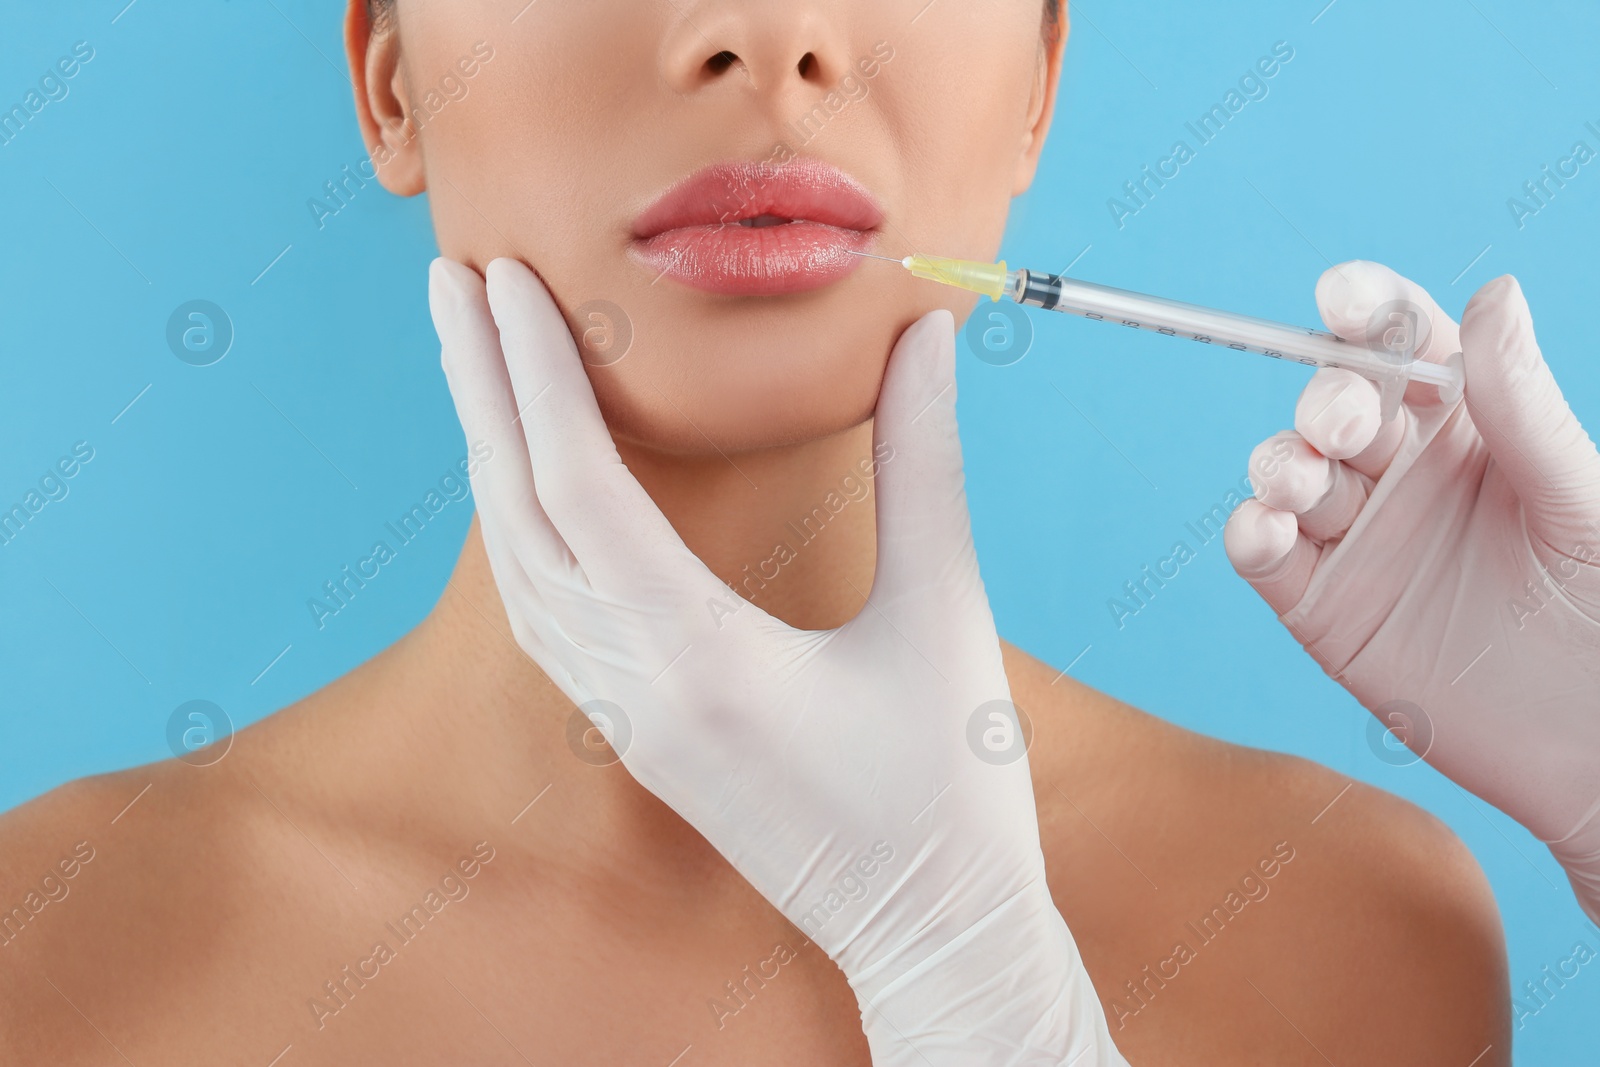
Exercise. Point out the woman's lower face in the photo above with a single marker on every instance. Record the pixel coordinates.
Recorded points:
(688, 179)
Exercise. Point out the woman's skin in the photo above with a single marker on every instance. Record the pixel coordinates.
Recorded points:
(602, 929)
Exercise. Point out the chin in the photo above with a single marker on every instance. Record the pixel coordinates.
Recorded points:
(743, 395)
(708, 375)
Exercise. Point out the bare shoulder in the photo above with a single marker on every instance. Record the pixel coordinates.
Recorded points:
(119, 894)
(55, 884)
(1265, 901)
(53, 845)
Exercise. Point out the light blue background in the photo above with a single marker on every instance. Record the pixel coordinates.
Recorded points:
(180, 564)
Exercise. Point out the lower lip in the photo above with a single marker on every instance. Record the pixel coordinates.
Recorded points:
(737, 260)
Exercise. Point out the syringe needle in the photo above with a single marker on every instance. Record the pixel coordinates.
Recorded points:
(869, 255)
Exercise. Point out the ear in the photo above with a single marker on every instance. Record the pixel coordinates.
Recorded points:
(1041, 105)
(382, 107)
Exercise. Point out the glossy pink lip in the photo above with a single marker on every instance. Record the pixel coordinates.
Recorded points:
(810, 217)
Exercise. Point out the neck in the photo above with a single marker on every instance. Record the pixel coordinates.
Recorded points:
(792, 530)
(789, 529)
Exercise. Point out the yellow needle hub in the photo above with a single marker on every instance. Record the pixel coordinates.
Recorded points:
(987, 278)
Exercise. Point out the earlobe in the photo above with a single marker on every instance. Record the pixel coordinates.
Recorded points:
(381, 102)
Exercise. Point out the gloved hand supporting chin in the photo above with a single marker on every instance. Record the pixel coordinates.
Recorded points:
(831, 768)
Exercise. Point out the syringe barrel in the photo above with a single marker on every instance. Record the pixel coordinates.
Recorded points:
(1242, 333)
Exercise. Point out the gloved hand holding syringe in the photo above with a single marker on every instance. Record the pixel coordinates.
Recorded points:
(1457, 535)
(1387, 358)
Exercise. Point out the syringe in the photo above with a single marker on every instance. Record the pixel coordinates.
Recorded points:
(1387, 359)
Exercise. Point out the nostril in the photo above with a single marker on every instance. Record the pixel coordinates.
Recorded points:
(720, 62)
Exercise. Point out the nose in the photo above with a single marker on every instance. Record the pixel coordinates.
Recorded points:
(773, 48)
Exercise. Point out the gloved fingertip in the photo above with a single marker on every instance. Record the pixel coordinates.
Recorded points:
(1338, 413)
(1503, 286)
(1348, 293)
(1290, 479)
(496, 273)
(505, 279)
(449, 282)
(525, 311)
(936, 329)
(1257, 538)
(1501, 297)
(1497, 340)
(925, 351)
(438, 282)
(941, 326)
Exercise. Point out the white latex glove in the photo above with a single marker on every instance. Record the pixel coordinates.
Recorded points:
(1444, 567)
(831, 768)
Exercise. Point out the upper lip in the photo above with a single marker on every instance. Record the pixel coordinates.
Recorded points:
(726, 193)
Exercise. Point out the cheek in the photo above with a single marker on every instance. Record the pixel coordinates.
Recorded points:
(964, 137)
(539, 161)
